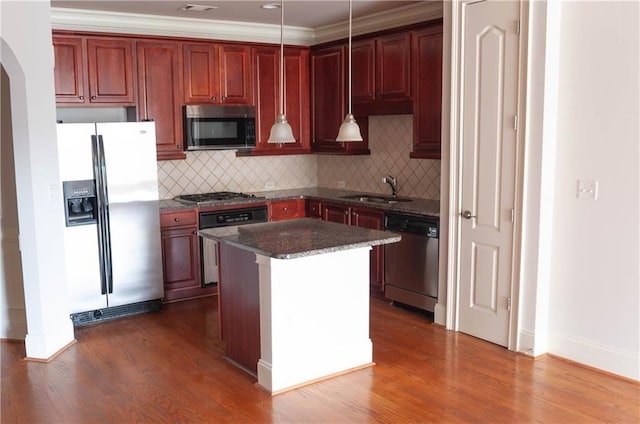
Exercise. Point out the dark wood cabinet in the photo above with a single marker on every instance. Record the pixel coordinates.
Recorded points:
(93, 71)
(313, 209)
(366, 218)
(286, 209)
(382, 74)
(181, 255)
(427, 104)
(217, 74)
(266, 80)
(160, 94)
(336, 213)
(328, 103)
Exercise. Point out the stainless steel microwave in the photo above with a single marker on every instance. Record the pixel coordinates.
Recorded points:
(209, 127)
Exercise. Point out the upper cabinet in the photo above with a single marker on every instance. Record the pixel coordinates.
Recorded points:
(427, 102)
(93, 71)
(266, 87)
(328, 102)
(382, 74)
(217, 74)
(160, 94)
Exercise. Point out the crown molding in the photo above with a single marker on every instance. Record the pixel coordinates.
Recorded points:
(407, 15)
(141, 24)
(154, 25)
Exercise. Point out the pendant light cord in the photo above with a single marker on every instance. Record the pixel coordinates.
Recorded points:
(350, 56)
(281, 57)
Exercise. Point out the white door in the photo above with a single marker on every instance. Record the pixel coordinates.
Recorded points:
(488, 142)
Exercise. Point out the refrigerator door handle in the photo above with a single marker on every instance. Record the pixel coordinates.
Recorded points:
(105, 208)
(95, 153)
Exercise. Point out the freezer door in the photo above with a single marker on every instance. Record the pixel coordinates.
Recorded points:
(82, 258)
(134, 221)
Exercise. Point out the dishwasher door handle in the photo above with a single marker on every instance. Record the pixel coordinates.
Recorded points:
(467, 215)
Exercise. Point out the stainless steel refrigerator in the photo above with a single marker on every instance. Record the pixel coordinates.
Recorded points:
(112, 231)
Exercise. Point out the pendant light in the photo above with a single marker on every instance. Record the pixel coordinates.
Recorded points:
(281, 131)
(349, 130)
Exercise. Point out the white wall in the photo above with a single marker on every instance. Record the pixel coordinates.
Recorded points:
(594, 287)
(27, 57)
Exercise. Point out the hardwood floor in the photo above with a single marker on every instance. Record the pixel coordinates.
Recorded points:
(168, 367)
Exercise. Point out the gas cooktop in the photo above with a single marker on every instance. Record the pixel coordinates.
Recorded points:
(203, 198)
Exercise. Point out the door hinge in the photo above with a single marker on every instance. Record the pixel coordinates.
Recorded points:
(515, 122)
(518, 27)
(513, 216)
(508, 304)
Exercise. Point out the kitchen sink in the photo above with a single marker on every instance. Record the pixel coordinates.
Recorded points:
(374, 198)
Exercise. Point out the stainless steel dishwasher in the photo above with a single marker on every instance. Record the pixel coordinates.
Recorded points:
(411, 265)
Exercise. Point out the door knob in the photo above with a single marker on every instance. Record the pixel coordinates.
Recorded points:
(467, 215)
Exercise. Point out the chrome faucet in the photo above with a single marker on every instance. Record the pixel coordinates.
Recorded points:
(393, 182)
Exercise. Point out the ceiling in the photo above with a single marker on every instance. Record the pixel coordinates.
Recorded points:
(301, 13)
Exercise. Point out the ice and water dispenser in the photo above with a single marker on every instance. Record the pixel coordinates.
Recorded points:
(80, 202)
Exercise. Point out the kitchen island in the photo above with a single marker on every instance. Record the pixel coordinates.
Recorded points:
(294, 299)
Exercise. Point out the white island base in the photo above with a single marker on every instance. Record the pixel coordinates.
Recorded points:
(314, 318)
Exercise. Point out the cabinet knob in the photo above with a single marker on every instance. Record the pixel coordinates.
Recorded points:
(214, 98)
(81, 97)
(224, 98)
(285, 208)
(194, 232)
(176, 219)
(93, 97)
(179, 146)
(346, 212)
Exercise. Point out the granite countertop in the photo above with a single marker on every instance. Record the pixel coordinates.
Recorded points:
(298, 237)
(414, 205)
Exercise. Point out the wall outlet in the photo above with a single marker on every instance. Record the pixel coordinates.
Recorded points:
(341, 184)
(269, 185)
(587, 189)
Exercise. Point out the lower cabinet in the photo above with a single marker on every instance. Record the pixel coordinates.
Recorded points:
(366, 218)
(181, 255)
(286, 209)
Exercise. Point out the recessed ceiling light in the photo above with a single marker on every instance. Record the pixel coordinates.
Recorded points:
(198, 8)
(270, 6)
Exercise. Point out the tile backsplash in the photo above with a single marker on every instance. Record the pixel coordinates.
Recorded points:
(389, 140)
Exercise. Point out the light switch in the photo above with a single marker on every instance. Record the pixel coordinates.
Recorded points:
(587, 189)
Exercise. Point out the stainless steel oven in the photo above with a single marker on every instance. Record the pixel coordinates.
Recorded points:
(411, 265)
(209, 248)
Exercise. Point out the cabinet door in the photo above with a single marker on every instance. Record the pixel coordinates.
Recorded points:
(372, 219)
(68, 71)
(393, 58)
(235, 74)
(363, 65)
(180, 258)
(313, 209)
(336, 213)
(427, 104)
(327, 96)
(200, 76)
(160, 94)
(328, 100)
(266, 70)
(110, 68)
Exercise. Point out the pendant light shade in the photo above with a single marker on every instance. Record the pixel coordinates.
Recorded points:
(281, 131)
(349, 129)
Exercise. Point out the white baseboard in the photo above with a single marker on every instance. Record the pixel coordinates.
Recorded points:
(440, 314)
(607, 358)
(14, 324)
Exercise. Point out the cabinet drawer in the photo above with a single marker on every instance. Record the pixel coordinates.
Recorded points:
(284, 209)
(178, 218)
